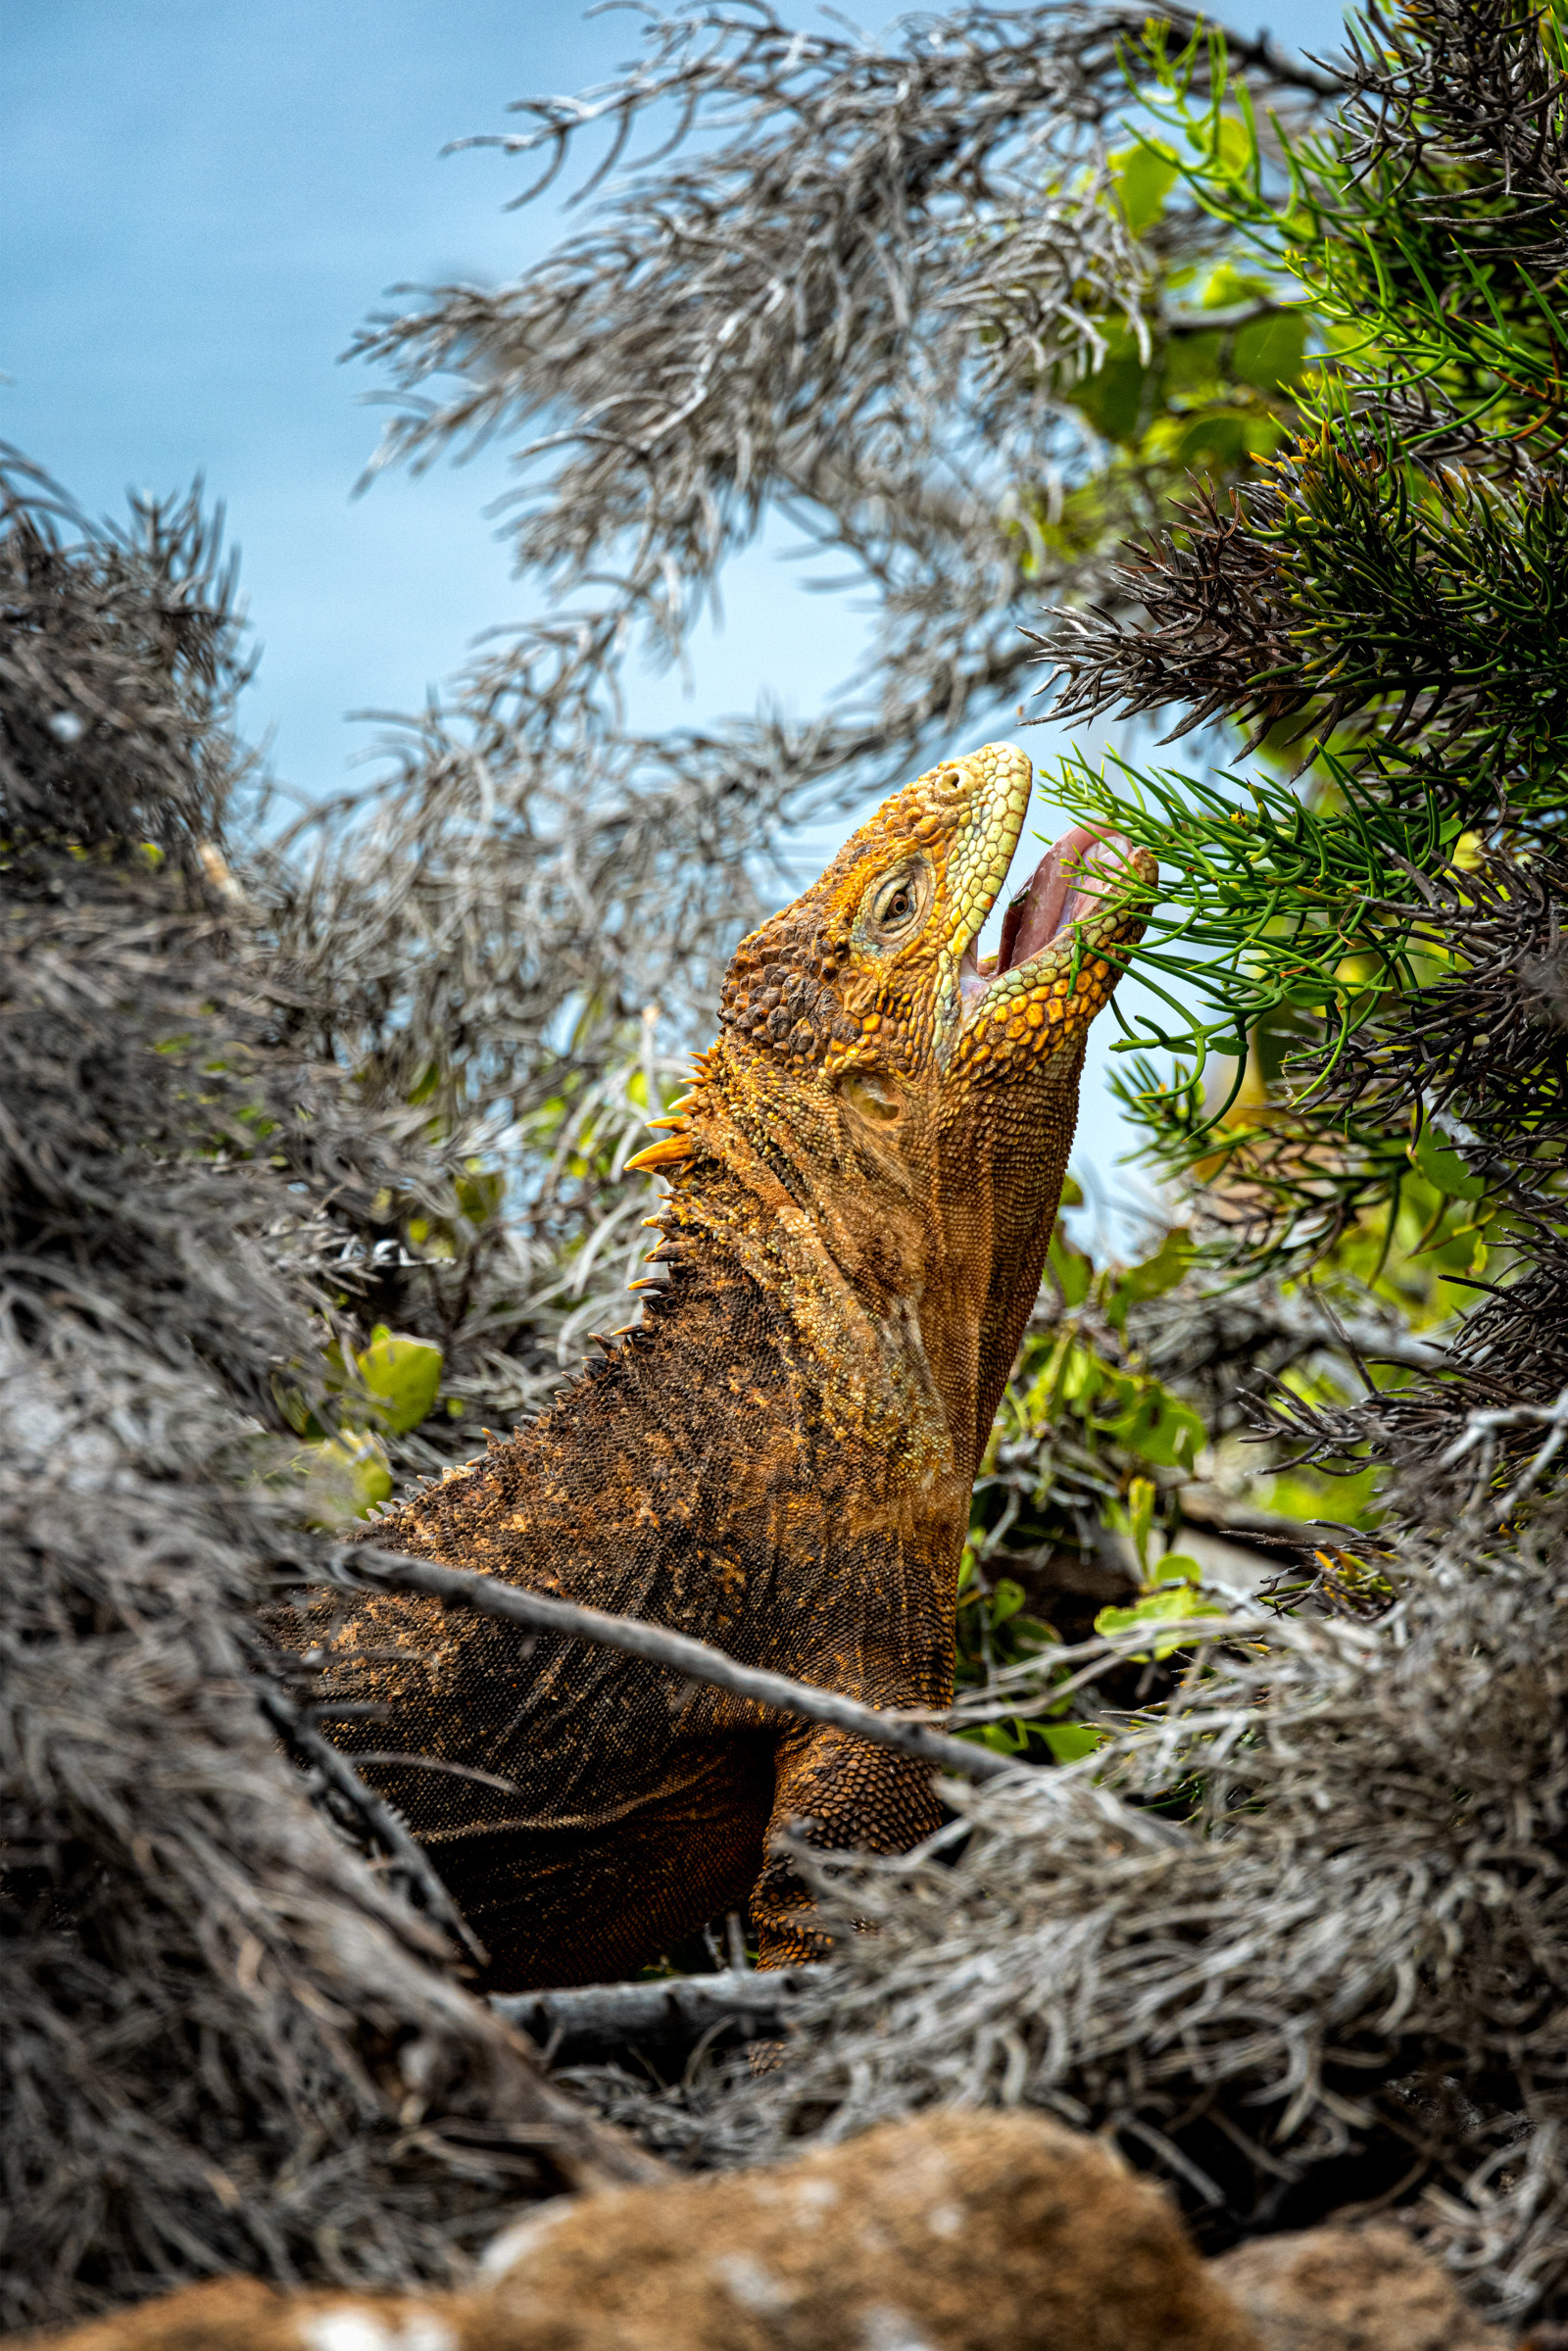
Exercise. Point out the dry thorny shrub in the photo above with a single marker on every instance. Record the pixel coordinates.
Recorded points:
(230, 2042)
(1302, 1941)
(1296, 1937)
(853, 284)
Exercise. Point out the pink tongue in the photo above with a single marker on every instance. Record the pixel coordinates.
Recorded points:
(1072, 880)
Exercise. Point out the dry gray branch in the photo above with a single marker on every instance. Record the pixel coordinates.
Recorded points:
(366, 1567)
(227, 2045)
(597, 2020)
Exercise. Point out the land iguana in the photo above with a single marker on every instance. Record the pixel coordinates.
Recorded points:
(779, 1459)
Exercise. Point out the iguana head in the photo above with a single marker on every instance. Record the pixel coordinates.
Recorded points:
(911, 1105)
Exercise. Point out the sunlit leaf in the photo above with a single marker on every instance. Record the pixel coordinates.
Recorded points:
(1070, 1743)
(402, 1376)
(1073, 1270)
(1176, 1567)
(1143, 176)
(345, 1477)
(1442, 1166)
(1170, 1603)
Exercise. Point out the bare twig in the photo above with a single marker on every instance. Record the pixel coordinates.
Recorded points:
(1378, 1342)
(1482, 1429)
(1479, 1425)
(363, 1566)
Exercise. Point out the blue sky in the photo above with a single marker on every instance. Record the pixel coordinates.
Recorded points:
(203, 199)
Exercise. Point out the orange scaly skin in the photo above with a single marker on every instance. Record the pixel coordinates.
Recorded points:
(779, 1460)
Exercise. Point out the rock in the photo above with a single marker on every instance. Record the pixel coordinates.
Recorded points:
(241, 2314)
(1349, 2290)
(954, 2233)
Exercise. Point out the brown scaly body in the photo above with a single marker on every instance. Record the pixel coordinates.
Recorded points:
(779, 1460)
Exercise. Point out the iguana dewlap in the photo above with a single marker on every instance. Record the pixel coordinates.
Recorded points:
(779, 1459)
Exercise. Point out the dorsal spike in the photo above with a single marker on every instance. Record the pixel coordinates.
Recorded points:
(672, 1152)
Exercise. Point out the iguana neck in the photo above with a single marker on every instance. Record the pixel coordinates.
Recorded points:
(890, 1356)
(900, 1231)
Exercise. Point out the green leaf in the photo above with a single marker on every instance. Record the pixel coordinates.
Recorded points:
(1141, 1516)
(1007, 1598)
(998, 1738)
(1171, 1601)
(1177, 1568)
(345, 1477)
(402, 1376)
(1070, 1743)
(1112, 397)
(1143, 176)
(1072, 1269)
(1152, 1278)
(1224, 438)
(479, 1193)
(1445, 1168)
(1084, 1375)
(1234, 148)
(296, 1411)
(1192, 362)
(1160, 1428)
(1165, 1269)
(1269, 352)
(1228, 286)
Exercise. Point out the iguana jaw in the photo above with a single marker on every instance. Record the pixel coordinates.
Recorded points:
(1009, 1039)
(1053, 972)
(1076, 902)
(1076, 881)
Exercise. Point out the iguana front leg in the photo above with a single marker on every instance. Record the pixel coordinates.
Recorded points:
(843, 1797)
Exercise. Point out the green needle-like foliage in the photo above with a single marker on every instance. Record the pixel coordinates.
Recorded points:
(1366, 919)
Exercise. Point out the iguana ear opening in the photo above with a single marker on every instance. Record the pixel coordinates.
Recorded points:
(877, 1097)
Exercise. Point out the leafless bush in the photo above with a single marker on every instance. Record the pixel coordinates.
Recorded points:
(118, 663)
(229, 2044)
(859, 298)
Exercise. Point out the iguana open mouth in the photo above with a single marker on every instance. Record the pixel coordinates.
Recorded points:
(1072, 881)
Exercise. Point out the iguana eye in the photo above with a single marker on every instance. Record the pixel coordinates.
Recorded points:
(900, 900)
